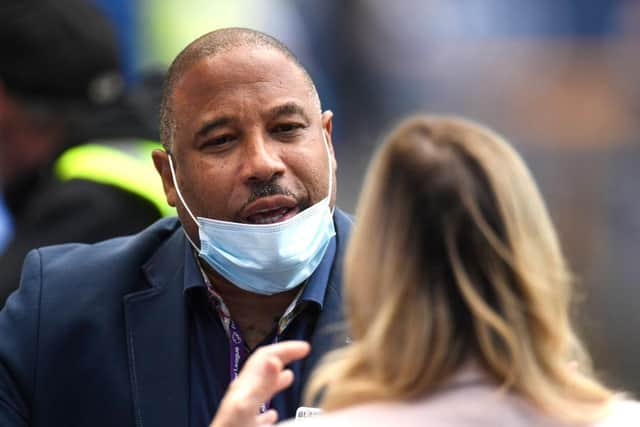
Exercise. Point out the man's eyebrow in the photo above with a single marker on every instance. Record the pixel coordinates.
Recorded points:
(288, 109)
(211, 125)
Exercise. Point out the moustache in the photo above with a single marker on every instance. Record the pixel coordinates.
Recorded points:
(266, 189)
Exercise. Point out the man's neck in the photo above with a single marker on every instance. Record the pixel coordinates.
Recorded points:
(256, 315)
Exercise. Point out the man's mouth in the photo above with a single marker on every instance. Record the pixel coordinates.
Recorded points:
(271, 216)
(271, 209)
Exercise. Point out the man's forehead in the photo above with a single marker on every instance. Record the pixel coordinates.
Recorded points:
(244, 65)
(261, 81)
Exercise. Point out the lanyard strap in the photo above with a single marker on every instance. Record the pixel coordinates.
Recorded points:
(237, 350)
(238, 354)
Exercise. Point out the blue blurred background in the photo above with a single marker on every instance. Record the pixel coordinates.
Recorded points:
(559, 78)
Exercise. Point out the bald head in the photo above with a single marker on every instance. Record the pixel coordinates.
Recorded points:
(209, 45)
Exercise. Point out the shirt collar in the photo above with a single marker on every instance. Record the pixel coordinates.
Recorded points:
(317, 284)
(314, 290)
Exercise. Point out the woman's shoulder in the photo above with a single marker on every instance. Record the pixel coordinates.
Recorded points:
(470, 399)
(625, 413)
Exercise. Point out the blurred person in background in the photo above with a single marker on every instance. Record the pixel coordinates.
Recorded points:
(71, 166)
(457, 298)
(150, 329)
(5, 225)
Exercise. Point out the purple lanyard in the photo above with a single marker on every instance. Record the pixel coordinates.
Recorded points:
(237, 348)
(238, 353)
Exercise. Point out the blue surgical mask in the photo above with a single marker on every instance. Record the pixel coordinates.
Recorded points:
(266, 259)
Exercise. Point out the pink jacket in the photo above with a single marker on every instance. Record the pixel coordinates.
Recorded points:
(469, 401)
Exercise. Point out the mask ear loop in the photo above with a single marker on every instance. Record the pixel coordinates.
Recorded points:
(175, 184)
(326, 146)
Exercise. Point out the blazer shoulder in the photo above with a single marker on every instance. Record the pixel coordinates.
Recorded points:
(112, 263)
(143, 242)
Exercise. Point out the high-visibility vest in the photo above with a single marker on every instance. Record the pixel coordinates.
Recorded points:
(126, 166)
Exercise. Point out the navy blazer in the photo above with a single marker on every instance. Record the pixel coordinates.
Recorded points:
(96, 335)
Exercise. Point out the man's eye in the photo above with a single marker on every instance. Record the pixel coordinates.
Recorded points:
(219, 140)
(287, 127)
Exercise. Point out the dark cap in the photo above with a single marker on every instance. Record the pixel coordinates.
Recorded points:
(58, 50)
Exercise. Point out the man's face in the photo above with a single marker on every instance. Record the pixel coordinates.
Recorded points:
(248, 143)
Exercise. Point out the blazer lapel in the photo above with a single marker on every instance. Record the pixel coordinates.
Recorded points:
(157, 340)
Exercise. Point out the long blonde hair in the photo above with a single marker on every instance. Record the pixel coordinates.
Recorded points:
(454, 257)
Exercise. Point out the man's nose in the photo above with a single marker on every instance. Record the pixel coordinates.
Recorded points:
(262, 161)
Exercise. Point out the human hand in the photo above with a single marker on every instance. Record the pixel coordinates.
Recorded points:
(262, 376)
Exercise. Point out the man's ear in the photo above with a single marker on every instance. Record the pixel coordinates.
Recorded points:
(161, 162)
(327, 127)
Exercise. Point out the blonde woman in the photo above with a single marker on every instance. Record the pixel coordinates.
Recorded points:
(457, 301)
